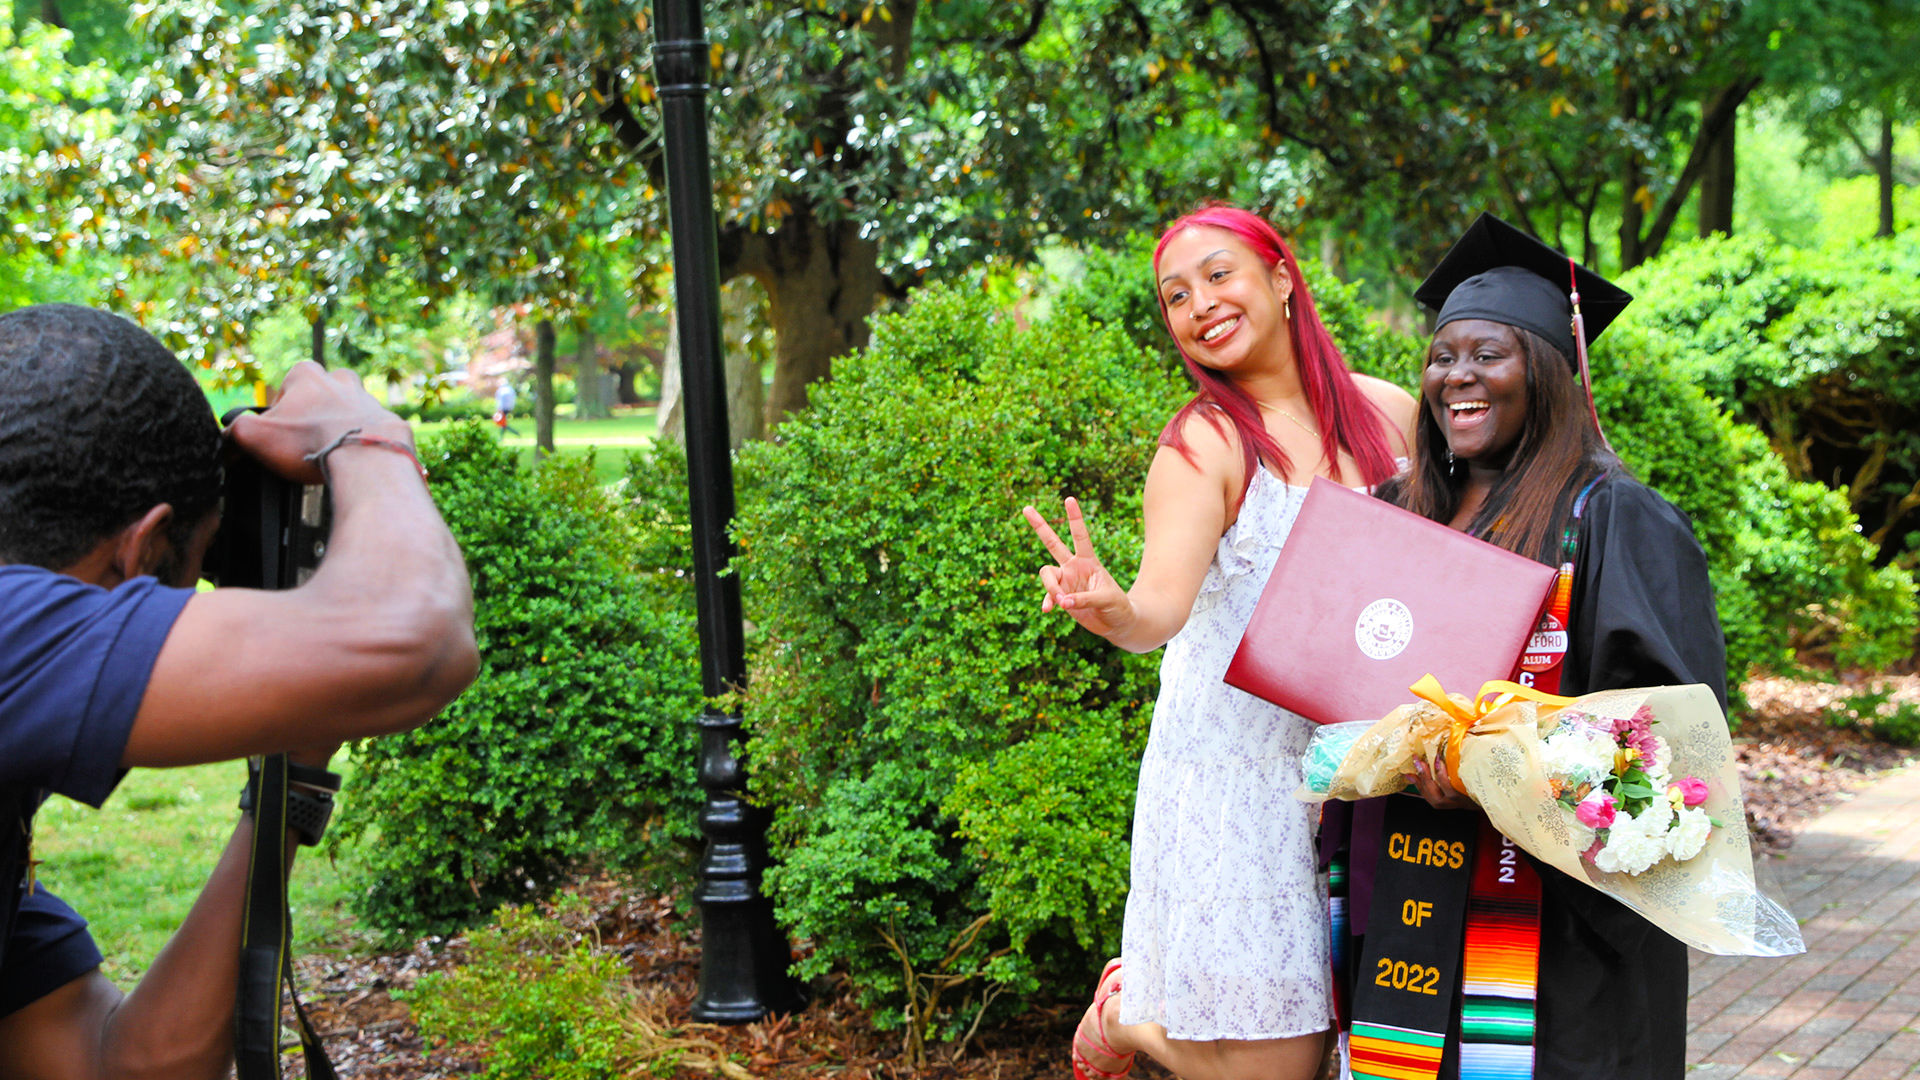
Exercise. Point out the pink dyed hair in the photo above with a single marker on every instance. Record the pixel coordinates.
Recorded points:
(1349, 421)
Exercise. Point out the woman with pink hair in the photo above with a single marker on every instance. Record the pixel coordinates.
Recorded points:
(1226, 971)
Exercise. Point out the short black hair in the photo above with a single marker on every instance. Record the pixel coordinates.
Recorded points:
(99, 423)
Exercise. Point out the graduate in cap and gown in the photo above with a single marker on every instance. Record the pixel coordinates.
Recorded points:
(1540, 975)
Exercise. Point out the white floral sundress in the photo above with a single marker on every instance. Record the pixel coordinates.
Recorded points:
(1226, 925)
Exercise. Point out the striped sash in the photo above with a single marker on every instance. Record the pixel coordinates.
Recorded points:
(1450, 938)
(1501, 964)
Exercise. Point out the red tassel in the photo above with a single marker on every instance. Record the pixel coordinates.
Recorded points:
(1580, 348)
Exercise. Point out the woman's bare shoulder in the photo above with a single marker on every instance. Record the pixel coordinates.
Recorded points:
(1394, 403)
(1212, 444)
(1389, 396)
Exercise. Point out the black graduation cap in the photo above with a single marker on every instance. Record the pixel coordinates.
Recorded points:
(1499, 273)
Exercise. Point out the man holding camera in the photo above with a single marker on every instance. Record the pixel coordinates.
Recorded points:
(109, 492)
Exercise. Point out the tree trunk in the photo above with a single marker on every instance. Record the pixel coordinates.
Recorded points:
(318, 345)
(746, 417)
(1330, 254)
(746, 395)
(50, 14)
(1716, 185)
(666, 415)
(1717, 118)
(1883, 168)
(1632, 215)
(589, 380)
(822, 282)
(543, 388)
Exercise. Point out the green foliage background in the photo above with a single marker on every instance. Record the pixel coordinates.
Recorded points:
(1818, 347)
(951, 772)
(576, 740)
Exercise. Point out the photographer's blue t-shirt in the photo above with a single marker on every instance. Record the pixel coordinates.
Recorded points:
(74, 664)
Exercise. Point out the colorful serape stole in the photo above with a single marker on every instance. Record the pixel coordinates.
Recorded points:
(1395, 1053)
(1501, 966)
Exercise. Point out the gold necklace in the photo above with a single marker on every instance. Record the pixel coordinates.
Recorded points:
(1299, 423)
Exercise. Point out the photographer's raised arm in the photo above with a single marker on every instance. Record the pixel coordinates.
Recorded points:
(377, 641)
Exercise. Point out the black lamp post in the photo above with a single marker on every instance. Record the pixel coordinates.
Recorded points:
(743, 960)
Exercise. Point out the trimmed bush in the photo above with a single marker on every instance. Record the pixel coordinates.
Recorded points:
(912, 710)
(1790, 569)
(464, 407)
(1819, 348)
(576, 742)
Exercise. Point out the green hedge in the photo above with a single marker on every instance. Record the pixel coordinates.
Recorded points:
(464, 407)
(576, 740)
(1819, 348)
(950, 770)
(1791, 571)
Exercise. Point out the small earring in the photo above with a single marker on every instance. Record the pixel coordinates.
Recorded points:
(1451, 465)
(1286, 305)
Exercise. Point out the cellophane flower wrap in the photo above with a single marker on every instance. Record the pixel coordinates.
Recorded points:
(1537, 771)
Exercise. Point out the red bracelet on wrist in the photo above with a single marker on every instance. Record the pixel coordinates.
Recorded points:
(354, 435)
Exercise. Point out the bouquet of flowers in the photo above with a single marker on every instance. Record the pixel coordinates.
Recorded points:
(1615, 778)
(1634, 792)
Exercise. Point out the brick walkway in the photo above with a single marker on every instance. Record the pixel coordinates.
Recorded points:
(1849, 1007)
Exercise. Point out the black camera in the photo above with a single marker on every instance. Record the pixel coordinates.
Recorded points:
(273, 532)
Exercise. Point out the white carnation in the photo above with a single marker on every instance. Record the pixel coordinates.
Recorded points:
(1689, 834)
(1578, 754)
(1636, 843)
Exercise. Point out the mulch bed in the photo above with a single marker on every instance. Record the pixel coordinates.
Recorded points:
(1793, 764)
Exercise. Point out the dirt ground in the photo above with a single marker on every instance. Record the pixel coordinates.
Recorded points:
(1793, 764)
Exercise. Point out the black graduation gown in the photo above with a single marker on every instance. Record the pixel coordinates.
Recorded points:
(1613, 994)
(1612, 999)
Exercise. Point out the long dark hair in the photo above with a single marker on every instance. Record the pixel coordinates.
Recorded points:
(1557, 453)
(1349, 420)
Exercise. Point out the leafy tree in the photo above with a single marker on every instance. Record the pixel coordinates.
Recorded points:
(284, 159)
(1863, 82)
(43, 75)
(1438, 110)
(312, 152)
(1817, 349)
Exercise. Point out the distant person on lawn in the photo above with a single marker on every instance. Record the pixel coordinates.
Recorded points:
(503, 401)
(109, 497)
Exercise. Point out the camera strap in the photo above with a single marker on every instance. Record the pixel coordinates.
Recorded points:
(266, 938)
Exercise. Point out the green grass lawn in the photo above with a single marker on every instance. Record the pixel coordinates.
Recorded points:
(610, 441)
(134, 868)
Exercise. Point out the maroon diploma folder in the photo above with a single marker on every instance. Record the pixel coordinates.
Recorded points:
(1366, 597)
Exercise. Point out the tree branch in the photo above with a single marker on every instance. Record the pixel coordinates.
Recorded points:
(1013, 43)
(1718, 116)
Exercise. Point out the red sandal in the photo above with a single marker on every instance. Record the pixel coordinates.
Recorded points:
(1082, 1068)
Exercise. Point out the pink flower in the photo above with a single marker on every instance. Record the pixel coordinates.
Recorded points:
(1693, 790)
(1595, 811)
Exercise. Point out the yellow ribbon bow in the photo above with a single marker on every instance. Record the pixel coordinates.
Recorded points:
(1493, 694)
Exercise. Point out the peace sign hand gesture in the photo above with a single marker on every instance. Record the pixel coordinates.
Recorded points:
(1079, 585)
